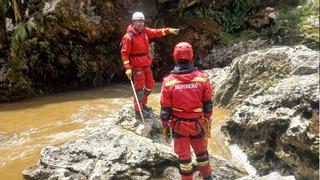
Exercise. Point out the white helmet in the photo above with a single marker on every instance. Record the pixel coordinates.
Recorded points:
(138, 16)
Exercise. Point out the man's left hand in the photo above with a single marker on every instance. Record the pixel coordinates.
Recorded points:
(166, 133)
(174, 31)
(207, 127)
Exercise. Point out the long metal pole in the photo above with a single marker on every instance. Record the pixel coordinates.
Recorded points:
(136, 97)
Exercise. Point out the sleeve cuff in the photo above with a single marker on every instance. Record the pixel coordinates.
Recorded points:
(126, 64)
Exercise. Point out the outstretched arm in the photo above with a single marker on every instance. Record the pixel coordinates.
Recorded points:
(156, 33)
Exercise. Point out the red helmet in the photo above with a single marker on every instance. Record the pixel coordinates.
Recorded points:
(183, 50)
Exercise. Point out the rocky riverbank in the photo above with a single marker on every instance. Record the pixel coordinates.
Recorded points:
(120, 148)
(275, 121)
(275, 96)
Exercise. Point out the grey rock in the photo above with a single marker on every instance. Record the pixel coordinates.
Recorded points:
(118, 149)
(271, 176)
(151, 129)
(217, 76)
(260, 69)
(277, 127)
(221, 170)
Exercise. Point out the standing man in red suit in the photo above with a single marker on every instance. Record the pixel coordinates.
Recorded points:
(137, 58)
(186, 108)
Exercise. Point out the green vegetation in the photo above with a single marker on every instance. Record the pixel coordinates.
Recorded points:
(231, 18)
(15, 64)
(291, 26)
(310, 13)
(235, 38)
(19, 35)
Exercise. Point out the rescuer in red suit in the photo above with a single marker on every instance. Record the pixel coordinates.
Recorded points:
(186, 107)
(137, 58)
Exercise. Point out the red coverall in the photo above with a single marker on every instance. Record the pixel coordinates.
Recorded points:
(136, 55)
(185, 96)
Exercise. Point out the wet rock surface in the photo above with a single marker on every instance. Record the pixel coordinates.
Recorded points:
(119, 149)
(276, 106)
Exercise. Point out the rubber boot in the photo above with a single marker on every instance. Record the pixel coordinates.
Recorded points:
(144, 113)
(147, 108)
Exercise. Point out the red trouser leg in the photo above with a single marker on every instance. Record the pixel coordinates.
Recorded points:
(201, 152)
(149, 83)
(182, 149)
(138, 80)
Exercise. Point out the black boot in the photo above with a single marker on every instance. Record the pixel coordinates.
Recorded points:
(147, 108)
(144, 113)
(208, 178)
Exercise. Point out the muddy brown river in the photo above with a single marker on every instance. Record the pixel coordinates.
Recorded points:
(30, 125)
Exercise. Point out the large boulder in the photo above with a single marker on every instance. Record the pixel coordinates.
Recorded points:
(120, 148)
(278, 125)
(263, 68)
(110, 151)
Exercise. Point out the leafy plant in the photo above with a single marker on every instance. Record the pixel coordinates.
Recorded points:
(19, 35)
(231, 18)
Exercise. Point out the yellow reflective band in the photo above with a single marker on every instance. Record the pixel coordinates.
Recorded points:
(197, 110)
(126, 62)
(163, 33)
(199, 79)
(180, 110)
(172, 82)
(204, 163)
(186, 167)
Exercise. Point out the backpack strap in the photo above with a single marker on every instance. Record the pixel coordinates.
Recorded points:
(131, 36)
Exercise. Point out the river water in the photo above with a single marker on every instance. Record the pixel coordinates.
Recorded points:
(30, 125)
